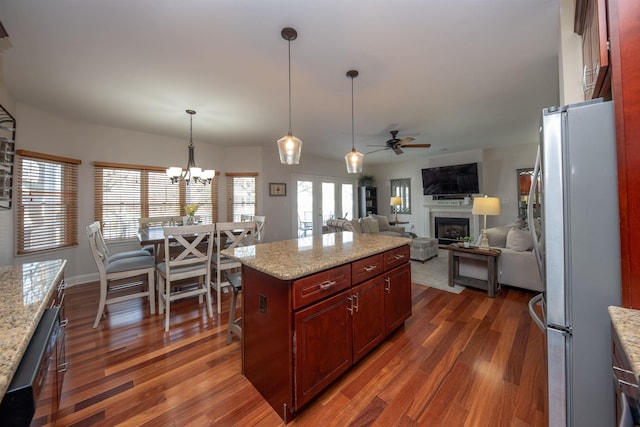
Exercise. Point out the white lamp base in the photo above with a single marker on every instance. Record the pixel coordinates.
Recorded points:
(484, 242)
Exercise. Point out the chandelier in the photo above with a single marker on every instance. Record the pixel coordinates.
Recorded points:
(191, 173)
(354, 159)
(289, 147)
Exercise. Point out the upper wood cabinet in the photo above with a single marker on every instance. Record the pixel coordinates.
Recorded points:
(591, 23)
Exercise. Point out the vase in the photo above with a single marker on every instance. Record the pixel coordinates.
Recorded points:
(190, 220)
(467, 244)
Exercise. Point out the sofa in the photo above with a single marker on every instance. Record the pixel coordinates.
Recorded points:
(374, 224)
(517, 265)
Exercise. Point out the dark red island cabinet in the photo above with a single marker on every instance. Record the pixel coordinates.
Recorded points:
(301, 335)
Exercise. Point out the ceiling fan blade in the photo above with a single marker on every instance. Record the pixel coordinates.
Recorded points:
(375, 151)
(397, 150)
(406, 140)
(376, 145)
(417, 146)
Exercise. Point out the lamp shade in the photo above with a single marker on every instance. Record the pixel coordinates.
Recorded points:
(354, 161)
(486, 206)
(396, 201)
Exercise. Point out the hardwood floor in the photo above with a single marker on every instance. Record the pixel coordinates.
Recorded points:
(460, 360)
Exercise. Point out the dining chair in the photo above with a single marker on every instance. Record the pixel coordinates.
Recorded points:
(229, 235)
(118, 276)
(190, 262)
(158, 221)
(260, 221)
(244, 218)
(104, 250)
(235, 325)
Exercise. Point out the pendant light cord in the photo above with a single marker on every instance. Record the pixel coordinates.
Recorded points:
(353, 144)
(289, 44)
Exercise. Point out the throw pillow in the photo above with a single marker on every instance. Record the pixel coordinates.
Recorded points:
(383, 222)
(369, 225)
(519, 240)
(497, 236)
(357, 228)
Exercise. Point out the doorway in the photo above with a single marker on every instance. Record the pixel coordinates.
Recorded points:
(318, 199)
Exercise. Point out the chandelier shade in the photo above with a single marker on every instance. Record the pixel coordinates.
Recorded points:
(289, 147)
(354, 159)
(191, 173)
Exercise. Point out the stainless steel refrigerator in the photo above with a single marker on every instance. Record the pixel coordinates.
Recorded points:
(579, 258)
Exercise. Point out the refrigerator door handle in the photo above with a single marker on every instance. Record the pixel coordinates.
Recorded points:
(530, 219)
(533, 301)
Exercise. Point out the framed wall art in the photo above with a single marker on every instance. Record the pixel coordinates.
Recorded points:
(277, 189)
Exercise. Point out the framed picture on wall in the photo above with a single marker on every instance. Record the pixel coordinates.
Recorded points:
(277, 189)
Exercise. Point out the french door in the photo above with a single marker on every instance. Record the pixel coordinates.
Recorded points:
(318, 199)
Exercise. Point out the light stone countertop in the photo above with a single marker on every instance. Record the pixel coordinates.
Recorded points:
(292, 259)
(626, 322)
(26, 290)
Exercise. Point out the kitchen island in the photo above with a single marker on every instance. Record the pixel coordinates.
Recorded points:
(314, 306)
(27, 291)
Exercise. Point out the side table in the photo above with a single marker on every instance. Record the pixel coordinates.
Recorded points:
(490, 256)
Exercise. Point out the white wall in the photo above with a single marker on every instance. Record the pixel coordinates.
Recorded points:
(7, 230)
(570, 56)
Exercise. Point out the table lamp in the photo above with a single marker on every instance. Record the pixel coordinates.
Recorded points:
(485, 206)
(395, 202)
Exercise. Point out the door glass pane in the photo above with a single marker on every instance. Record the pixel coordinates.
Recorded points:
(305, 208)
(328, 201)
(347, 201)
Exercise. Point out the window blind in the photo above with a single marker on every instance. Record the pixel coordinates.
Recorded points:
(124, 193)
(242, 194)
(47, 202)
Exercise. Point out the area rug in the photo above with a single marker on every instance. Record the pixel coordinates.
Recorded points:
(434, 273)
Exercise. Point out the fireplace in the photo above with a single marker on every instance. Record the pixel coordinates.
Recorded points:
(449, 230)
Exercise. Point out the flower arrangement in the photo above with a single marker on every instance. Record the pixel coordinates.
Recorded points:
(191, 208)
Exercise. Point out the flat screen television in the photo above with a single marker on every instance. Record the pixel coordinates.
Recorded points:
(456, 179)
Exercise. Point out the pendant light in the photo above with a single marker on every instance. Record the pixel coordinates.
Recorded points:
(289, 147)
(191, 173)
(354, 159)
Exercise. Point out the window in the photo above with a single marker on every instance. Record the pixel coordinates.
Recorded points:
(402, 188)
(47, 202)
(124, 193)
(242, 195)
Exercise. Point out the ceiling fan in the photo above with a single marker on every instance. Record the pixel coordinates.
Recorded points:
(397, 144)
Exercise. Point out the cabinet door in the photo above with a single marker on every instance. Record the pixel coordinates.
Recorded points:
(368, 319)
(397, 297)
(322, 345)
(595, 52)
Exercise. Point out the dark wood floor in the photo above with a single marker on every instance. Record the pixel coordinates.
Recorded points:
(460, 360)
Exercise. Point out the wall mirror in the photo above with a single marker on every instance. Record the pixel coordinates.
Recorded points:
(525, 178)
(402, 188)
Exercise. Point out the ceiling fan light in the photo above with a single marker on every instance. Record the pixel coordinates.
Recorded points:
(354, 160)
(289, 148)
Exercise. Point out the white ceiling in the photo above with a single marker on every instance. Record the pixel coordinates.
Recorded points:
(459, 74)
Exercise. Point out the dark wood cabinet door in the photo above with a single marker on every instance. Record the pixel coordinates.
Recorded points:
(322, 345)
(397, 297)
(368, 318)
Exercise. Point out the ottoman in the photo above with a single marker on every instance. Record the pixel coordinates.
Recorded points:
(424, 248)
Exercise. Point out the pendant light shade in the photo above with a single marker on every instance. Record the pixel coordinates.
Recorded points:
(289, 147)
(354, 159)
(191, 173)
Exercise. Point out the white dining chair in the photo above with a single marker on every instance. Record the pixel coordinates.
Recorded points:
(260, 221)
(229, 235)
(190, 262)
(128, 273)
(104, 251)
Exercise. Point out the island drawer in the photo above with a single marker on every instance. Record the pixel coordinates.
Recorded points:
(367, 268)
(396, 257)
(320, 285)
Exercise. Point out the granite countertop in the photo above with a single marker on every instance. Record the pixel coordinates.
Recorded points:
(292, 259)
(626, 322)
(26, 290)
